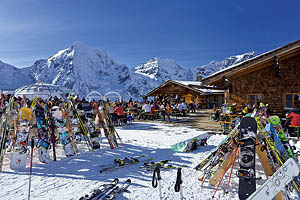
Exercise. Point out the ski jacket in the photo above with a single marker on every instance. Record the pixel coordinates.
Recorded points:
(180, 107)
(119, 111)
(146, 108)
(184, 106)
(168, 109)
(295, 121)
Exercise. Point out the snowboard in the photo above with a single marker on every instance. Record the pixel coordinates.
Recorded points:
(94, 134)
(43, 139)
(279, 146)
(283, 176)
(190, 144)
(20, 151)
(275, 121)
(265, 160)
(60, 123)
(246, 173)
(68, 125)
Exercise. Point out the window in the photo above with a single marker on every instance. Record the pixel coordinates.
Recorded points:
(289, 101)
(255, 98)
(292, 100)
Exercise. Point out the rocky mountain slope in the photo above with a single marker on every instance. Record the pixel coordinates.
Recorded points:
(85, 69)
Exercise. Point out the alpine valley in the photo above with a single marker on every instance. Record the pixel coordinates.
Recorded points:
(85, 69)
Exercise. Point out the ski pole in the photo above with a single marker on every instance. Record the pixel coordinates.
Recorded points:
(233, 159)
(32, 146)
(156, 180)
(219, 184)
(178, 183)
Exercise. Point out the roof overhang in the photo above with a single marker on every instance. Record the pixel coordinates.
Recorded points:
(195, 88)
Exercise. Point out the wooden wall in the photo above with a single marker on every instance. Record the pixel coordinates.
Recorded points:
(266, 83)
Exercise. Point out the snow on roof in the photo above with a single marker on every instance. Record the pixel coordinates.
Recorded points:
(187, 83)
(198, 83)
(210, 90)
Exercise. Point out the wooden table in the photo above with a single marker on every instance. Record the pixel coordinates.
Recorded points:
(230, 115)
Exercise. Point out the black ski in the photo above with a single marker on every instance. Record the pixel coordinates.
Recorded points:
(246, 173)
(98, 193)
(117, 190)
(121, 163)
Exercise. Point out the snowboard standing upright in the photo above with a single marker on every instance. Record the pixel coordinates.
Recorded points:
(94, 133)
(60, 123)
(20, 152)
(43, 144)
(246, 173)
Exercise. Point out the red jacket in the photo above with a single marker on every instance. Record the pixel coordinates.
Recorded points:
(295, 120)
(119, 111)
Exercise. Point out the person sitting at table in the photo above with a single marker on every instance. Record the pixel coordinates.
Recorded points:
(192, 107)
(152, 107)
(179, 107)
(168, 111)
(245, 109)
(232, 108)
(216, 116)
(293, 118)
(119, 111)
(145, 109)
(163, 111)
(184, 108)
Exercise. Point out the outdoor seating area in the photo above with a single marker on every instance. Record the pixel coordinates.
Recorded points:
(126, 112)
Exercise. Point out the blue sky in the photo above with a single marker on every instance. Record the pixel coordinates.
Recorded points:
(192, 32)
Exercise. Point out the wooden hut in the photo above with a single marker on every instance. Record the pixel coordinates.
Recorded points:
(189, 91)
(271, 78)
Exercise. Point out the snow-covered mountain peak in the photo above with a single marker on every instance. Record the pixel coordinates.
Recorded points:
(215, 66)
(164, 69)
(84, 69)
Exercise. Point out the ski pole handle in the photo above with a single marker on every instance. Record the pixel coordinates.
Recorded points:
(178, 180)
(156, 177)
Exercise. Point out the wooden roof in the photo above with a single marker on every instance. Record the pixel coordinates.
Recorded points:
(184, 87)
(256, 63)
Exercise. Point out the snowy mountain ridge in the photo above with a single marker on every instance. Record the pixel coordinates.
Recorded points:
(12, 77)
(162, 69)
(85, 69)
(215, 66)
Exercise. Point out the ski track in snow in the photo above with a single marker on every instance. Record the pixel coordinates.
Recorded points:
(71, 178)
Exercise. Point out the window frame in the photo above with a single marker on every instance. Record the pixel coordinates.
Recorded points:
(255, 95)
(293, 99)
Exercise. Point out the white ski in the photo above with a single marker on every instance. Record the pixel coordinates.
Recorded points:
(283, 176)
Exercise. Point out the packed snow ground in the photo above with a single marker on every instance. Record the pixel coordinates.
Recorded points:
(71, 178)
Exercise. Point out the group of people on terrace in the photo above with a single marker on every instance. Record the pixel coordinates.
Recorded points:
(291, 121)
(125, 111)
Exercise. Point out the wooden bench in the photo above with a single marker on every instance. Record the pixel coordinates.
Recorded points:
(149, 115)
